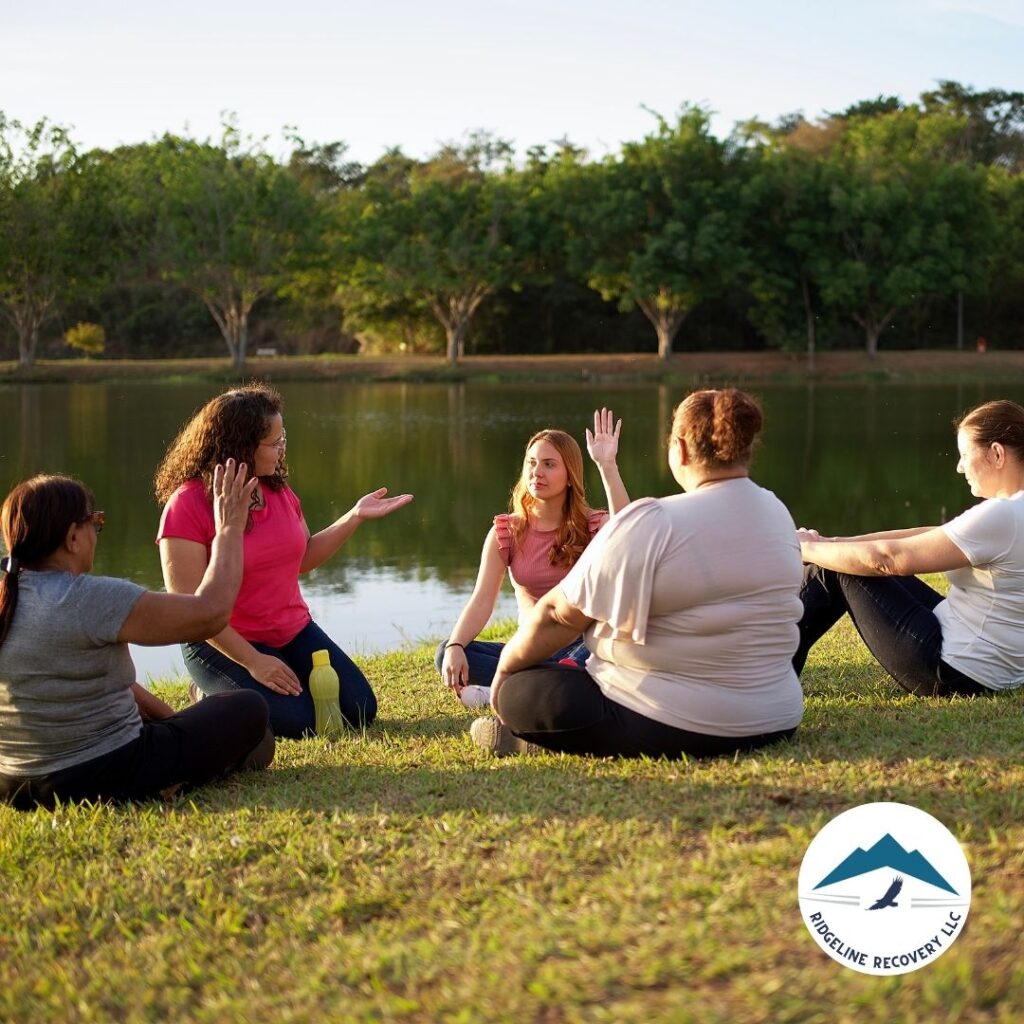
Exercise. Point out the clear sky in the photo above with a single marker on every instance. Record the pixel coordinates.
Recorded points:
(415, 74)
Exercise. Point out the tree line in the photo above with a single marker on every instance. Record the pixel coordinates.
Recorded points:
(902, 222)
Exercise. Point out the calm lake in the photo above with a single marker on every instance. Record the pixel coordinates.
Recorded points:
(845, 459)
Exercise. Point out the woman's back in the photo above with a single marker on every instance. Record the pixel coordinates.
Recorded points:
(697, 609)
(65, 682)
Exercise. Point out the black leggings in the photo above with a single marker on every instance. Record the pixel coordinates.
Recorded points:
(896, 620)
(223, 733)
(562, 708)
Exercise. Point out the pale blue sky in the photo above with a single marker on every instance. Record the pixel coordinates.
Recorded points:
(416, 74)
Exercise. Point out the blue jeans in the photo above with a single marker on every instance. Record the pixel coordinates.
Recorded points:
(896, 620)
(483, 656)
(291, 716)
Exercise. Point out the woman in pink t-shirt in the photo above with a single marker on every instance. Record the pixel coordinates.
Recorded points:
(538, 542)
(269, 642)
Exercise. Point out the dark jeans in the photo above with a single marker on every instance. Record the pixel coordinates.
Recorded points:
(483, 656)
(212, 738)
(896, 620)
(562, 708)
(290, 716)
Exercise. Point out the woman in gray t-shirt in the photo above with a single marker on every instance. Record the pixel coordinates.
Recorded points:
(74, 724)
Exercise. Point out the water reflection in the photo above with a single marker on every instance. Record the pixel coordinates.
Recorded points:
(845, 459)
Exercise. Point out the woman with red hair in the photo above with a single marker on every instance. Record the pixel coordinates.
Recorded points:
(540, 538)
(689, 606)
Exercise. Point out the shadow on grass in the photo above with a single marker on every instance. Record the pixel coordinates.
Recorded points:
(882, 724)
(536, 792)
(957, 759)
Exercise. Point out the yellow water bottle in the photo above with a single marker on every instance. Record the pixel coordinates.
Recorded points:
(324, 689)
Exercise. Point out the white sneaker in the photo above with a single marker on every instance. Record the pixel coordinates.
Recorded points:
(475, 696)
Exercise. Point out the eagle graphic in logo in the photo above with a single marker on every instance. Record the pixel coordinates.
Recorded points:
(889, 898)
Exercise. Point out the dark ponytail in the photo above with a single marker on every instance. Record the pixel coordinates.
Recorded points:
(34, 521)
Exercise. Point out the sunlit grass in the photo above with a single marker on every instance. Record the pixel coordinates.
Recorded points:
(402, 875)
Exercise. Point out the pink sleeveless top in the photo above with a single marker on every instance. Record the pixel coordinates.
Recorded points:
(531, 573)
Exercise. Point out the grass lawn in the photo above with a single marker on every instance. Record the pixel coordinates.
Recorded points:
(401, 875)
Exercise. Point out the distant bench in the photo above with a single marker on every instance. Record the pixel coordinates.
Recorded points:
(267, 350)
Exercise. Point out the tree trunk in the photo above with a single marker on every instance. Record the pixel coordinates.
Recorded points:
(27, 318)
(667, 319)
(455, 331)
(873, 327)
(232, 318)
(28, 342)
(242, 339)
(455, 313)
(812, 337)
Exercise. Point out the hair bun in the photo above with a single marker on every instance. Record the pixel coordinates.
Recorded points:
(719, 426)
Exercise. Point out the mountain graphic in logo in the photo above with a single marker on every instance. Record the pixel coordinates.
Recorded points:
(886, 853)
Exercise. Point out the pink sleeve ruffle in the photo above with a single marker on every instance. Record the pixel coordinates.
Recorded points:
(596, 520)
(503, 533)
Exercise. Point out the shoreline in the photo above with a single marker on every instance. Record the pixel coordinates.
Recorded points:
(691, 368)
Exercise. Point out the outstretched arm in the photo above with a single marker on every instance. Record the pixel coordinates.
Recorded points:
(916, 551)
(321, 546)
(603, 448)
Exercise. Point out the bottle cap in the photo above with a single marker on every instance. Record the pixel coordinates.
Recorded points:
(321, 658)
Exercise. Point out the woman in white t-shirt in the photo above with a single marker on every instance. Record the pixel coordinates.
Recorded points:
(971, 641)
(688, 605)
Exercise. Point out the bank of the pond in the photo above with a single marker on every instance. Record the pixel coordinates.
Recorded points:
(685, 368)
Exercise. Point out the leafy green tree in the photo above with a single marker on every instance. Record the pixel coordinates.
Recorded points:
(907, 225)
(787, 213)
(990, 123)
(226, 222)
(42, 255)
(440, 236)
(659, 228)
(1007, 254)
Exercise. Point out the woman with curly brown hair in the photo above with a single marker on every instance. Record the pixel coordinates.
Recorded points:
(689, 605)
(268, 645)
(537, 542)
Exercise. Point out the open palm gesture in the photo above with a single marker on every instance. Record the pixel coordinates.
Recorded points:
(603, 443)
(375, 505)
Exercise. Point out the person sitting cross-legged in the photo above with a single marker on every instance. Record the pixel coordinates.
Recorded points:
(74, 724)
(688, 605)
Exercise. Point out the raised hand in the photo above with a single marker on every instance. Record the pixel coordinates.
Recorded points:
(603, 443)
(375, 505)
(232, 495)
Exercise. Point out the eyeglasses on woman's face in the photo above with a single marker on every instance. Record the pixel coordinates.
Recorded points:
(279, 443)
(98, 520)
